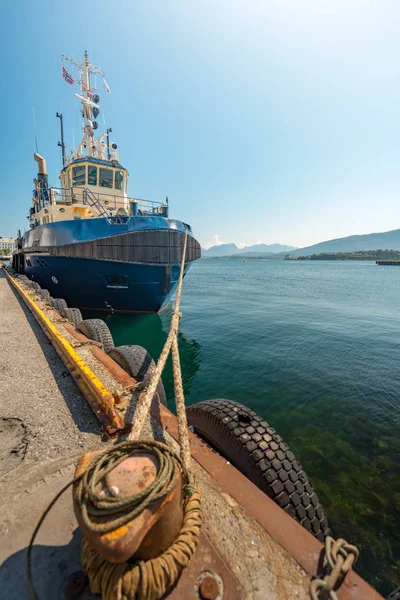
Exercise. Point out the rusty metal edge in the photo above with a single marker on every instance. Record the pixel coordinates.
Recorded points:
(97, 395)
(299, 543)
(119, 374)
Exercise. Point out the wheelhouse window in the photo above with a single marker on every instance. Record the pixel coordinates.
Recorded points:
(79, 175)
(92, 175)
(119, 180)
(106, 178)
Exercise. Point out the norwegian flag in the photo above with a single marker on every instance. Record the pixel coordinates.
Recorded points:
(67, 76)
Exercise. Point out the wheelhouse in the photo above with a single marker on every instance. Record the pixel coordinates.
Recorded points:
(101, 176)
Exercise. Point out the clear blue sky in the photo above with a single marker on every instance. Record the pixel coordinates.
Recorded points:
(267, 120)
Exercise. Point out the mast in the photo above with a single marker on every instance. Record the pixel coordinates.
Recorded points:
(85, 87)
(90, 109)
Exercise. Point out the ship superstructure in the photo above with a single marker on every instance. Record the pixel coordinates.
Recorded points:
(89, 241)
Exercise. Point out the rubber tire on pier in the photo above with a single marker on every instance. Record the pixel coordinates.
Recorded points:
(58, 303)
(257, 451)
(97, 330)
(73, 315)
(35, 286)
(45, 294)
(139, 364)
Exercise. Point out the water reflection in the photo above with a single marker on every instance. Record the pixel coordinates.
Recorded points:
(150, 331)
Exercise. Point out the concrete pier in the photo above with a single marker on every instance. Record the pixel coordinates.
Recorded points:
(36, 387)
(45, 424)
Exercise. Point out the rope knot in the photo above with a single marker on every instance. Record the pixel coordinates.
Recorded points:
(190, 487)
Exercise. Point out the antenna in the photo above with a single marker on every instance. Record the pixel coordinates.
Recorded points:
(109, 130)
(61, 144)
(34, 128)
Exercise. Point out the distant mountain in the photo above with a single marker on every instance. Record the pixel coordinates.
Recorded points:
(230, 249)
(220, 250)
(270, 248)
(243, 255)
(388, 240)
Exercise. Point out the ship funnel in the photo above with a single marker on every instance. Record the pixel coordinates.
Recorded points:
(42, 163)
(42, 172)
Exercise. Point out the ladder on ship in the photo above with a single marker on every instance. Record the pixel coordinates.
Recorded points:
(90, 199)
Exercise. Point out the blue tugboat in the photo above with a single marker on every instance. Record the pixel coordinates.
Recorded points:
(89, 242)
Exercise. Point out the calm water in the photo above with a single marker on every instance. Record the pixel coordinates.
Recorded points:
(314, 347)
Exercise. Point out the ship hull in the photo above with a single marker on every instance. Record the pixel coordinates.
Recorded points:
(102, 264)
(105, 285)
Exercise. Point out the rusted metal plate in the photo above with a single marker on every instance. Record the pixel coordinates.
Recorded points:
(207, 572)
(299, 543)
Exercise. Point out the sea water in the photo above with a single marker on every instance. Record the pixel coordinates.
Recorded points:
(313, 347)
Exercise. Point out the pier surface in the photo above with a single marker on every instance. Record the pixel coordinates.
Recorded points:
(45, 424)
(36, 388)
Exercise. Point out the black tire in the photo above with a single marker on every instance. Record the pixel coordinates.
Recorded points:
(35, 286)
(58, 303)
(45, 294)
(138, 363)
(97, 330)
(255, 449)
(395, 595)
(73, 315)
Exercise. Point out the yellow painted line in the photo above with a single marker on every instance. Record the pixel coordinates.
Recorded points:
(90, 385)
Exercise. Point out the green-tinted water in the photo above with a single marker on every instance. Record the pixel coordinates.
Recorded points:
(314, 347)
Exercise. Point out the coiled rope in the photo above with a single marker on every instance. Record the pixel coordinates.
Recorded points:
(94, 503)
(151, 579)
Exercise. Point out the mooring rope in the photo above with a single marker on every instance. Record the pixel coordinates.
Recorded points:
(151, 579)
(143, 407)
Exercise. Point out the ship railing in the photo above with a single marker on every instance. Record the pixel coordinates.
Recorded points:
(114, 203)
(102, 202)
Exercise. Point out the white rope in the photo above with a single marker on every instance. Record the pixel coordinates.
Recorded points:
(143, 406)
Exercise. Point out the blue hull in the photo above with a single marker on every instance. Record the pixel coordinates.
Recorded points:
(105, 264)
(70, 232)
(105, 285)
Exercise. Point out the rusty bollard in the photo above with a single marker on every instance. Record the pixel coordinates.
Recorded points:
(151, 532)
